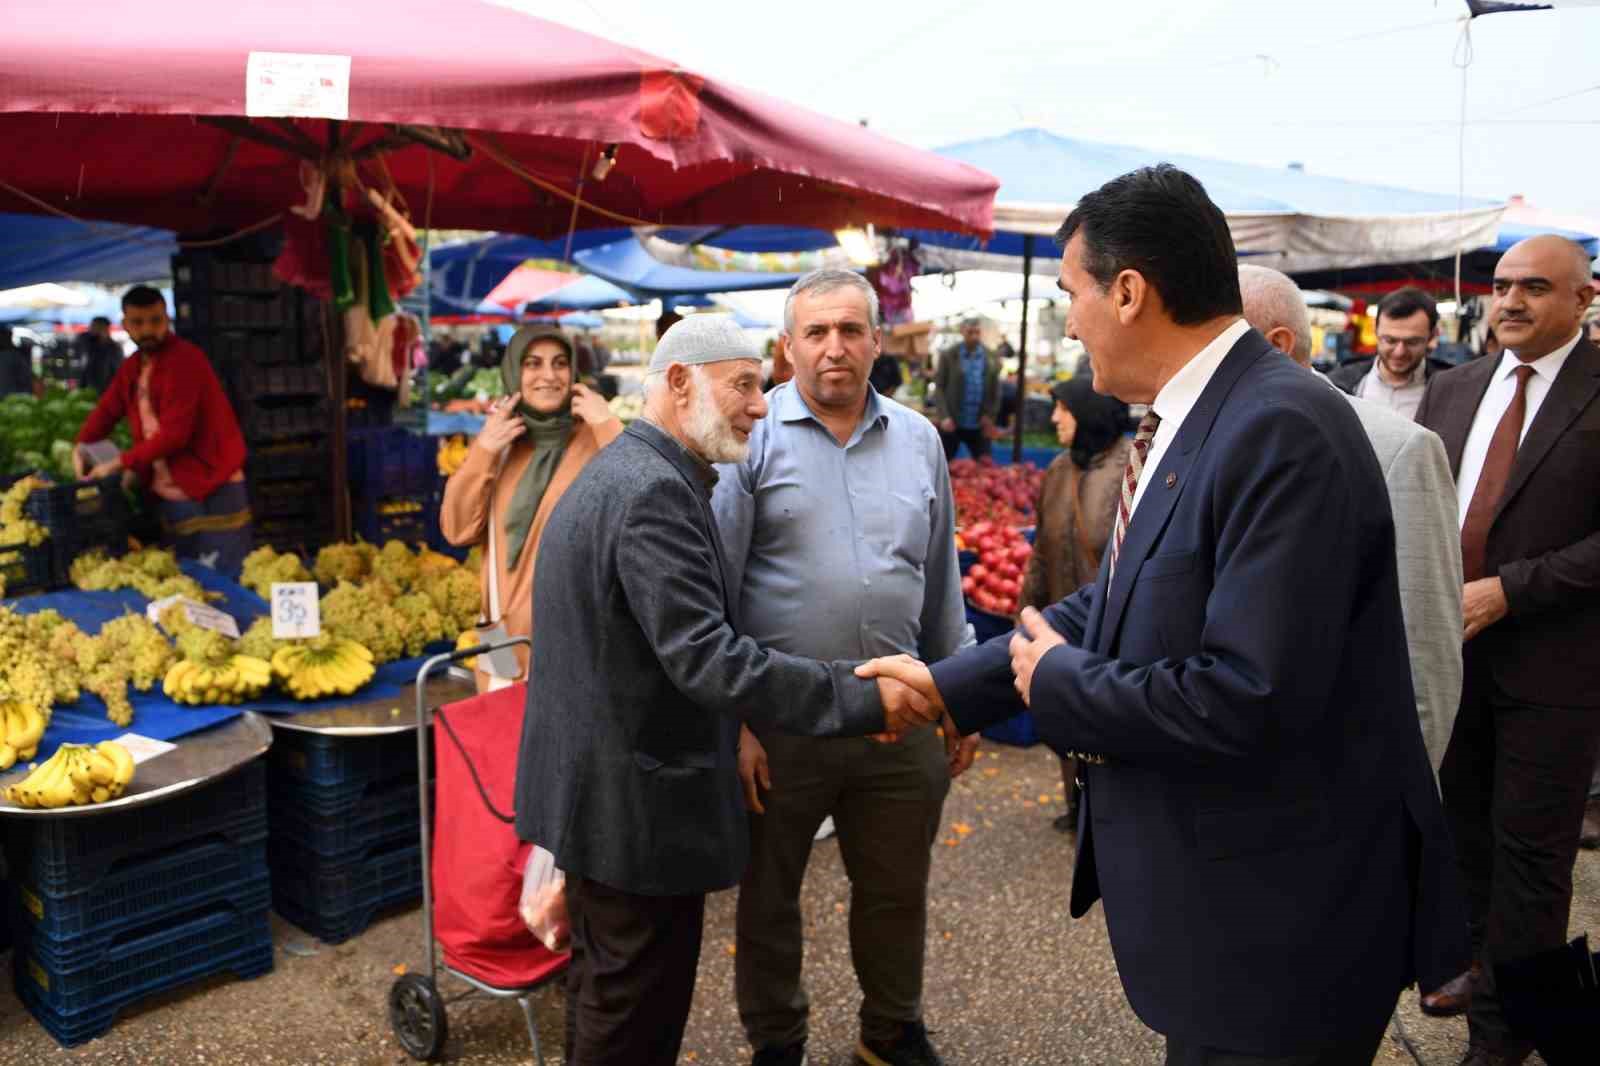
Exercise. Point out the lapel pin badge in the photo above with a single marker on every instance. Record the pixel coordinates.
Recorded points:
(1172, 480)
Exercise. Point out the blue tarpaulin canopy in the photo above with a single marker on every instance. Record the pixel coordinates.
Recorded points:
(626, 263)
(36, 248)
(586, 294)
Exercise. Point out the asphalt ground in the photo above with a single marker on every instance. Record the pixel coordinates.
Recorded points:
(1010, 978)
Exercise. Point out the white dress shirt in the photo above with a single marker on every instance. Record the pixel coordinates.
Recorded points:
(1178, 397)
(1493, 407)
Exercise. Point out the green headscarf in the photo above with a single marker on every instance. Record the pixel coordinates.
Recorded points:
(547, 433)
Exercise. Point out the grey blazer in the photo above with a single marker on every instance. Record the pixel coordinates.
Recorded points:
(628, 770)
(1427, 543)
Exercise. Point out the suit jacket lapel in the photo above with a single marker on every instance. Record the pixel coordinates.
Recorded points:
(1455, 419)
(1167, 482)
(1573, 390)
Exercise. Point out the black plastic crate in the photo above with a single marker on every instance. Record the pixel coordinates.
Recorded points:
(295, 459)
(81, 1004)
(60, 857)
(375, 527)
(335, 901)
(298, 499)
(380, 818)
(298, 757)
(236, 349)
(183, 879)
(28, 569)
(260, 381)
(201, 271)
(264, 423)
(296, 536)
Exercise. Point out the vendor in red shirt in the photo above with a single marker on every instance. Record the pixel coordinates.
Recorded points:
(187, 448)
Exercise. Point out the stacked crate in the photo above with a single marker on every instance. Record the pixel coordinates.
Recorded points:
(394, 482)
(346, 840)
(266, 341)
(109, 909)
(78, 516)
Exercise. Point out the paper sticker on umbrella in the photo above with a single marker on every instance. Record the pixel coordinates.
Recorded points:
(297, 85)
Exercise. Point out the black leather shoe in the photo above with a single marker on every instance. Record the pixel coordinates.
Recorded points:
(791, 1055)
(910, 1049)
(1454, 996)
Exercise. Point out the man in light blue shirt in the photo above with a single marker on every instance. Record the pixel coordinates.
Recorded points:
(840, 534)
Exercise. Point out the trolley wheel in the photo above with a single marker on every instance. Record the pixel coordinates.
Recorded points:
(417, 1015)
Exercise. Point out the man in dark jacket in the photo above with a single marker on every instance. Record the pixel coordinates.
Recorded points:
(1408, 334)
(1259, 816)
(16, 366)
(968, 398)
(100, 354)
(628, 771)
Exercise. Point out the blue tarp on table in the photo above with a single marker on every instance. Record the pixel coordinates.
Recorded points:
(154, 715)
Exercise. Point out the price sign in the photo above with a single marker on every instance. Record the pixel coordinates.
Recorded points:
(295, 610)
(199, 614)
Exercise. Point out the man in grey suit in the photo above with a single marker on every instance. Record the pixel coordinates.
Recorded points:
(1422, 495)
(628, 766)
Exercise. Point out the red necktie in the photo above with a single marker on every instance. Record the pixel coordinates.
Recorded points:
(1492, 481)
(1130, 481)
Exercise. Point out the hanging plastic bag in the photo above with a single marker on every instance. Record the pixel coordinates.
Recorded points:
(544, 900)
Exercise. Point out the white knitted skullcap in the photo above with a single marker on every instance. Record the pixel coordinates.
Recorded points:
(702, 339)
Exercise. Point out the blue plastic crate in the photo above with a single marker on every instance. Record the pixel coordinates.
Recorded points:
(139, 893)
(75, 953)
(389, 461)
(334, 901)
(339, 761)
(1018, 730)
(62, 856)
(986, 626)
(379, 818)
(375, 528)
(83, 1004)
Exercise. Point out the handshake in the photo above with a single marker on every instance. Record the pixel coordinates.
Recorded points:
(911, 699)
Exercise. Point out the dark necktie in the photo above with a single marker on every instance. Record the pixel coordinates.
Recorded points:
(1130, 481)
(1492, 481)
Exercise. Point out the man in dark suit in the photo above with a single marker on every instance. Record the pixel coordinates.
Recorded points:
(628, 772)
(1523, 435)
(1259, 815)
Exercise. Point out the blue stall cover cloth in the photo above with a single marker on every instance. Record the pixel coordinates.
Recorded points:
(154, 715)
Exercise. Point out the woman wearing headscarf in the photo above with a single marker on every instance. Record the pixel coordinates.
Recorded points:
(532, 445)
(1077, 508)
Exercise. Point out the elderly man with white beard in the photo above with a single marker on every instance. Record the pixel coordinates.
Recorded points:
(628, 772)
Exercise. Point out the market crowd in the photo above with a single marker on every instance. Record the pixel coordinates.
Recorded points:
(1317, 653)
(1319, 663)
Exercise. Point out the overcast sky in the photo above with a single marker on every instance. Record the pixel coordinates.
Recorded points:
(1362, 89)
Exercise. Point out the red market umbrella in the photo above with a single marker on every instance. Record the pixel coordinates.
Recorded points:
(172, 114)
(525, 284)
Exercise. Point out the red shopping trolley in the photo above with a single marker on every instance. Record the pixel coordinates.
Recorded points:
(472, 867)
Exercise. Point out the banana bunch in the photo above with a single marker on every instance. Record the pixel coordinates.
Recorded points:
(234, 680)
(322, 666)
(75, 775)
(452, 453)
(21, 726)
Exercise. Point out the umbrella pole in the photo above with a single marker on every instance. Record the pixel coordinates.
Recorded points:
(1022, 352)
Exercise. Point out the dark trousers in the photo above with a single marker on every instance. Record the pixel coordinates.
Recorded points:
(976, 441)
(632, 974)
(1359, 1050)
(886, 801)
(216, 530)
(1514, 781)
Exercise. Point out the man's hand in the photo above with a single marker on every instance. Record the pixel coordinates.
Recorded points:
(986, 424)
(959, 750)
(1029, 643)
(80, 462)
(753, 772)
(1483, 603)
(106, 469)
(908, 671)
(948, 425)
(904, 708)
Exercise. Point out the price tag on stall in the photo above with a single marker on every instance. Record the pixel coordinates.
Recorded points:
(295, 610)
(200, 614)
(144, 748)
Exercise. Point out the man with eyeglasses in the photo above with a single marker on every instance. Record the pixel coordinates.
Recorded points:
(1408, 332)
